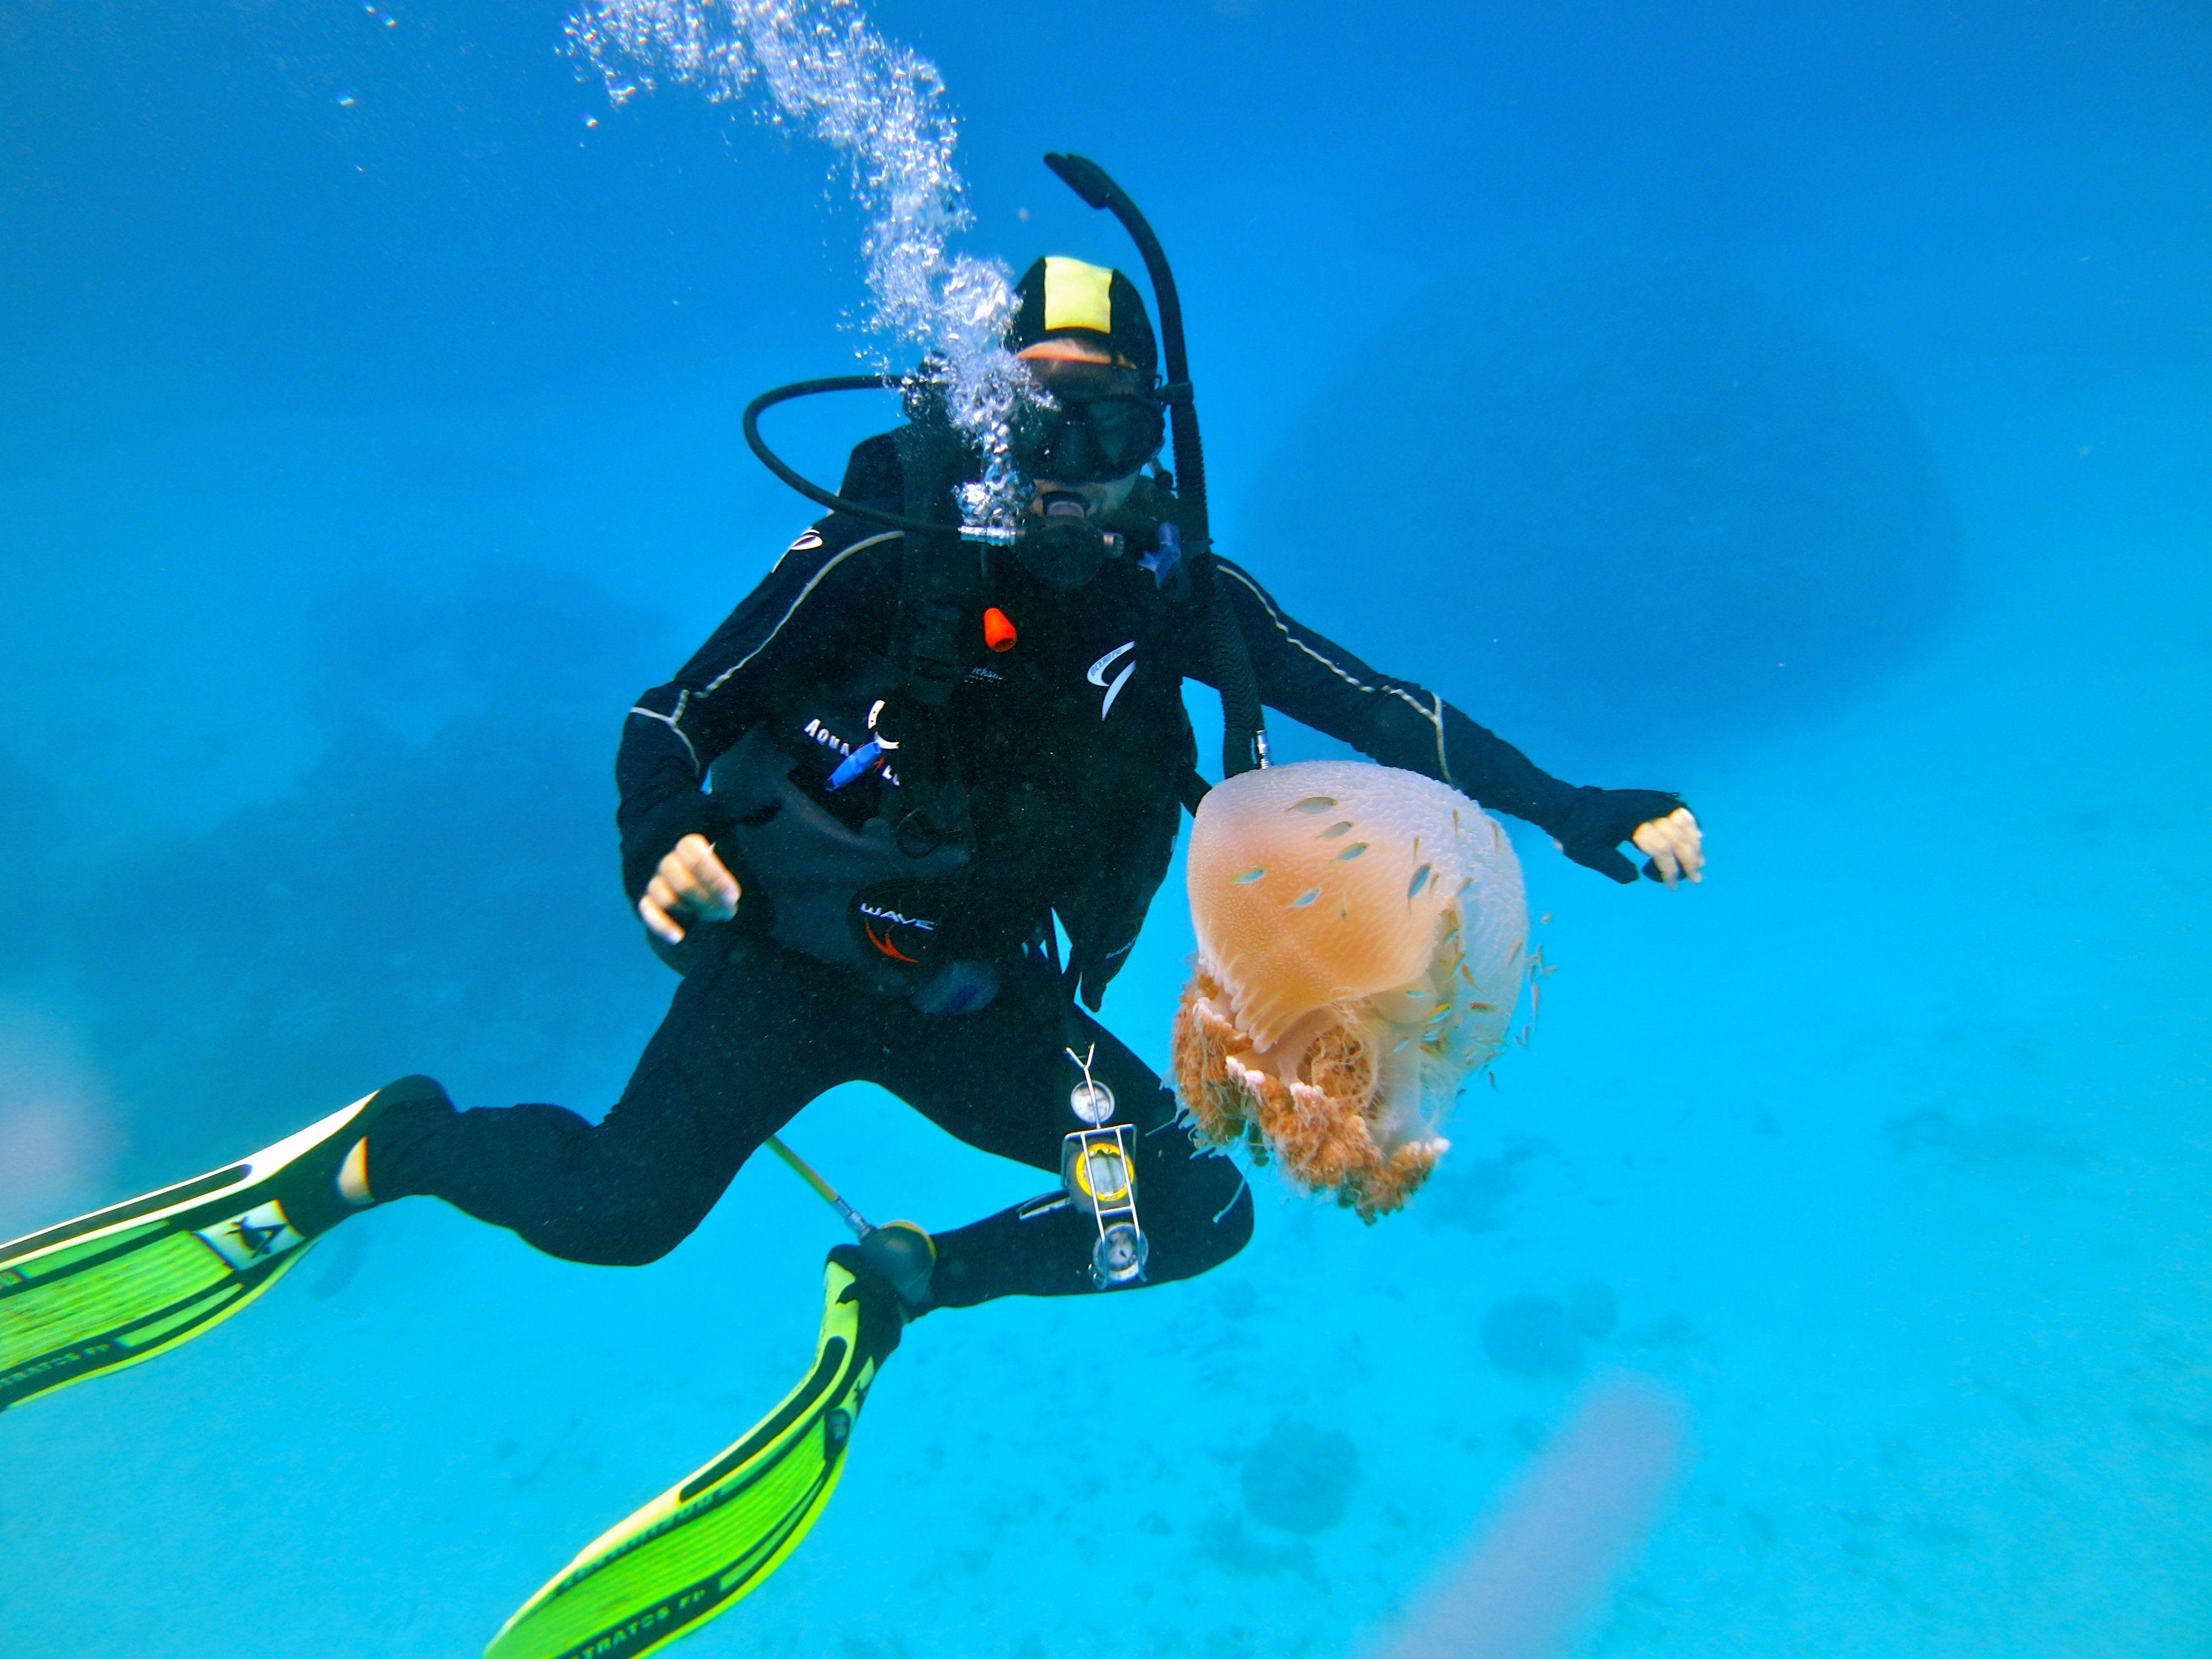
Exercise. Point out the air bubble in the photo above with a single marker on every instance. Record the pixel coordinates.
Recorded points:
(880, 105)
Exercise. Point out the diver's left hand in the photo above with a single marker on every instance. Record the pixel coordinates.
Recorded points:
(1599, 820)
(1675, 846)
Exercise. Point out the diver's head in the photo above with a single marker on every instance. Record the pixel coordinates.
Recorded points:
(1083, 331)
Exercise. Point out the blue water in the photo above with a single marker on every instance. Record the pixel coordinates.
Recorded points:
(370, 392)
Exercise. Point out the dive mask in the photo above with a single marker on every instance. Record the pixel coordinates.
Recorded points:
(1086, 440)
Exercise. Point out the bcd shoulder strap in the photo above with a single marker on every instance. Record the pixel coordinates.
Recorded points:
(941, 594)
(940, 576)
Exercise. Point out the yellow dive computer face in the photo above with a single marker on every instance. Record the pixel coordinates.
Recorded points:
(1101, 1174)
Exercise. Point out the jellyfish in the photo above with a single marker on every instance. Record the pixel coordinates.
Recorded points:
(1361, 946)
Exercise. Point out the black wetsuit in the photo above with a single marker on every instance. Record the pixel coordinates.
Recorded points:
(1065, 753)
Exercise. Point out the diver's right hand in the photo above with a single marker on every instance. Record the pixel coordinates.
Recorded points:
(691, 885)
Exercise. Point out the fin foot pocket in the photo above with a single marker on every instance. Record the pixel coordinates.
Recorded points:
(703, 1545)
(124, 1282)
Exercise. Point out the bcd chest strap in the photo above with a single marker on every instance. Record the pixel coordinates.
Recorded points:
(940, 576)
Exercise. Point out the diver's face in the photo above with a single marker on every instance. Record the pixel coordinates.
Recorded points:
(1082, 371)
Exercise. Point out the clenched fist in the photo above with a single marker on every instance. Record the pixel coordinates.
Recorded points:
(691, 885)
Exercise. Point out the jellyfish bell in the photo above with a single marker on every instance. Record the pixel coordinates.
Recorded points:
(1361, 946)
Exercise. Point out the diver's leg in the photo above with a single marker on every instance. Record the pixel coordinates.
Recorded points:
(736, 1057)
(999, 1080)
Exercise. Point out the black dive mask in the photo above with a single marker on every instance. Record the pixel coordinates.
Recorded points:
(1086, 440)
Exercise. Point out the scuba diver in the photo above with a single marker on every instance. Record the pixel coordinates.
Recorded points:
(860, 822)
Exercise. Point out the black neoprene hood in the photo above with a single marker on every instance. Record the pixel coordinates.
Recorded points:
(1066, 299)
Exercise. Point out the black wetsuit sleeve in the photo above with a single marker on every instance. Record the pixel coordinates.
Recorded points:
(819, 591)
(1318, 682)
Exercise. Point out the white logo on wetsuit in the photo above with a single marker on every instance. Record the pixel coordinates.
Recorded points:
(1098, 675)
(885, 913)
(805, 543)
(823, 735)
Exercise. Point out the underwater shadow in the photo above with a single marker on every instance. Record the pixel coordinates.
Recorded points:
(1615, 502)
(438, 893)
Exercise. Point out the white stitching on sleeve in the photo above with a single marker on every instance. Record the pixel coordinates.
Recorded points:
(715, 684)
(669, 720)
(1434, 716)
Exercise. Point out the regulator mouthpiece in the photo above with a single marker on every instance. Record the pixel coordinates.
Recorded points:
(1065, 549)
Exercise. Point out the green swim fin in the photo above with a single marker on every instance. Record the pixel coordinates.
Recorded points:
(700, 1547)
(126, 1283)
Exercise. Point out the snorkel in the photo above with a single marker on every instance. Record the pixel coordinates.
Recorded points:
(1244, 730)
(1245, 737)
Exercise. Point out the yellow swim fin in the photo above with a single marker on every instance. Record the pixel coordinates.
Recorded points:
(700, 1547)
(126, 1283)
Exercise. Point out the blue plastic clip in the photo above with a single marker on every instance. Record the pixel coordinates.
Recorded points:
(1165, 561)
(861, 762)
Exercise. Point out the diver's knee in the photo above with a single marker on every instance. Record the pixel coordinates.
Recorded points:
(619, 1240)
(605, 1253)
